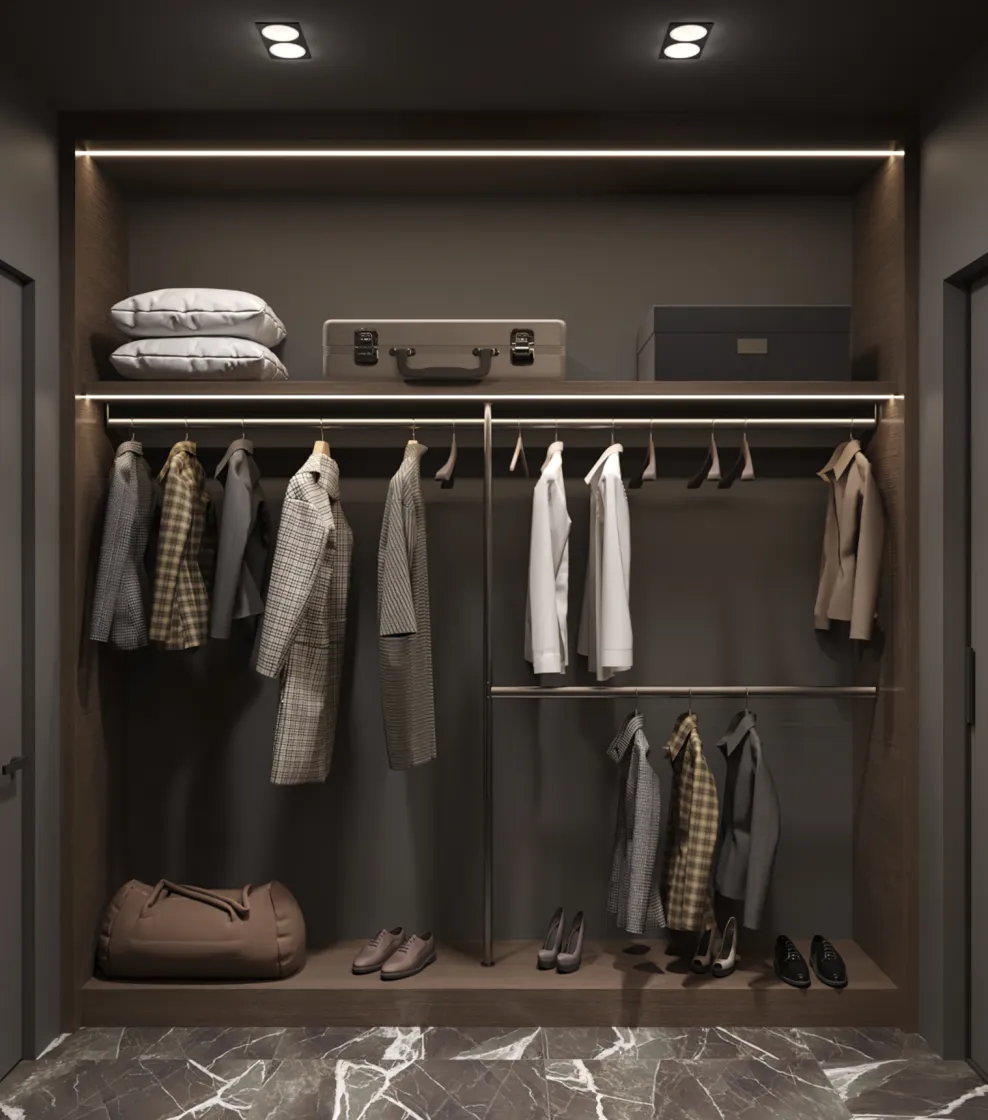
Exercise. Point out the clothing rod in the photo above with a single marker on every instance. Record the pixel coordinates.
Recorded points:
(604, 692)
(603, 423)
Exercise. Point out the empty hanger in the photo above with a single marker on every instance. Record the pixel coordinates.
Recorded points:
(710, 471)
(444, 476)
(519, 454)
(321, 447)
(648, 472)
(742, 468)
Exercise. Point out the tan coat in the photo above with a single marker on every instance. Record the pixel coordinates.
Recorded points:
(852, 543)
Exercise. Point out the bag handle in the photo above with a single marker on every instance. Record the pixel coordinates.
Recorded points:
(484, 354)
(229, 906)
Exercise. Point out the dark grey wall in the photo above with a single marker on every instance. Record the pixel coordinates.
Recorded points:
(723, 583)
(954, 233)
(29, 242)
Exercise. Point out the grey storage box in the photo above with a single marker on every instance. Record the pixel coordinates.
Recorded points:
(711, 343)
(438, 350)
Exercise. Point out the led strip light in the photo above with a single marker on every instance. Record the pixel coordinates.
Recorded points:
(490, 153)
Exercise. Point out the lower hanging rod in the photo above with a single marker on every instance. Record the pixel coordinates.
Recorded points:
(602, 423)
(606, 692)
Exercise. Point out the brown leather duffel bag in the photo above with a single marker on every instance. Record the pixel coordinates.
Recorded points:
(176, 931)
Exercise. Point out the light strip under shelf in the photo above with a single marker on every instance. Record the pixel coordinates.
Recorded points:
(490, 153)
(557, 398)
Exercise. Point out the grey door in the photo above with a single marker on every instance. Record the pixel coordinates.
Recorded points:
(12, 782)
(979, 640)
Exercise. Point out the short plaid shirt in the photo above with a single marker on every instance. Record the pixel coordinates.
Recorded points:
(692, 835)
(180, 615)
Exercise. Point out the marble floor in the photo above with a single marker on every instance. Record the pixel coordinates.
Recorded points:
(438, 1073)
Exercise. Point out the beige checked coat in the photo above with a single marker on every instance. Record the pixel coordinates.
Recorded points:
(180, 614)
(304, 627)
(692, 831)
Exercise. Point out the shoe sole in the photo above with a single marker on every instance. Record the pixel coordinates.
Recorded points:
(365, 971)
(792, 983)
(720, 973)
(545, 967)
(409, 971)
(699, 969)
(830, 983)
(565, 970)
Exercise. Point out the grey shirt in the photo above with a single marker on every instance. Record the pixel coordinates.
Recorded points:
(404, 630)
(750, 820)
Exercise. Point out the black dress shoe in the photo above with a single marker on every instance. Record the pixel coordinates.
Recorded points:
(790, 965)
(827, 963)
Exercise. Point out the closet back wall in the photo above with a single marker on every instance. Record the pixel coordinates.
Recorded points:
(733, 602)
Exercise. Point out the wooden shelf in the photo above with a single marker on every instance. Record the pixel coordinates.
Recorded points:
(615, 987)
(576, 391)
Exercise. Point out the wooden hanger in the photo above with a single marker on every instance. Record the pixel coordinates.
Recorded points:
(710, 471)
(742, 468)
(648, 472)
(444, 476)
(519, 454)
(321, 447)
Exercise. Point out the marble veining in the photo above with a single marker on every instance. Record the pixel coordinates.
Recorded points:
(445, 1073)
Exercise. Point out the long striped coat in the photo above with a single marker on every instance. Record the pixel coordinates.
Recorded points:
(404, 628)
(304, 628)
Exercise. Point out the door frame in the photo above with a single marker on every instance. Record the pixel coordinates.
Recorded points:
(28, 597)
(957, 602)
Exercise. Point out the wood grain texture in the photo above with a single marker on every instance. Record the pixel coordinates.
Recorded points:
(612, 988)
(96, 278)
(886, 748)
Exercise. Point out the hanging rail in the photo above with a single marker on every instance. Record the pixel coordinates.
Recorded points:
(605, 692)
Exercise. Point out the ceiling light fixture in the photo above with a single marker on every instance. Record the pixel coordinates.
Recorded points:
(490, 153)
(685, 40)
(283, 39)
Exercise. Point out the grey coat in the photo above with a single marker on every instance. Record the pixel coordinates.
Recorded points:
(634, 892)
(404, 625)
(304, 627)
(750, 820)
(122, 597)
(243, 541)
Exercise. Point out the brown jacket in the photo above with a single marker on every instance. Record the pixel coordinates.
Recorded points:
(852, 543)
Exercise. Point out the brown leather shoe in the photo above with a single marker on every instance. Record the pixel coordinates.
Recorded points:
(416, 952)
(377, 951)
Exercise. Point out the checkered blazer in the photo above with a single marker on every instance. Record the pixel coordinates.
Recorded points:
(121, 596)
(692, 831)
(304, 627)
(180, 614)
(634, 896)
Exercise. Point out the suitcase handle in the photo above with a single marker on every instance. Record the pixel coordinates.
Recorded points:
(484, 355)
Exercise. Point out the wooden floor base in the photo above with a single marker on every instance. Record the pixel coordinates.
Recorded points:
(619, 984)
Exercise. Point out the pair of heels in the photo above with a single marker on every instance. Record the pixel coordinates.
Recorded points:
(725, 960)
(563, 953)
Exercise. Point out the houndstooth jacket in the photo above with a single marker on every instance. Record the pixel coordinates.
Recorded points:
(121, 597)
(180, 615)
(634, 896)
(304, 627)
(692, 836)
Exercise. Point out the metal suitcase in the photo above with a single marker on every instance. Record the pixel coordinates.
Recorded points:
(438, 350)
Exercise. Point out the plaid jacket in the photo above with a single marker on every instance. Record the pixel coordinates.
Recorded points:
(304, 627)
(692, 835)
(120, 600)
(180, 615)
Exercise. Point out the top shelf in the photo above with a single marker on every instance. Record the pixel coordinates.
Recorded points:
(525, 391)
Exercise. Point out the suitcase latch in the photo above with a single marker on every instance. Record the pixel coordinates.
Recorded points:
(365, 347)
(522, 346)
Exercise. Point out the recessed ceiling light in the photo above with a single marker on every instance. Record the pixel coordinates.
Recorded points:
(283, 32)
(685, 40)
(688, 32)
(287, 50)
(681, 50)
(283, 39)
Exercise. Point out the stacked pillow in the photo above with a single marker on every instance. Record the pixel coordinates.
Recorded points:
(188, 333)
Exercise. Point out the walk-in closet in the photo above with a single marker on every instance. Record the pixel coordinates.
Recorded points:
(167, 755)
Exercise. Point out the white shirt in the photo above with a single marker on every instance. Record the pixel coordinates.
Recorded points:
(605, 624)
(546, 645)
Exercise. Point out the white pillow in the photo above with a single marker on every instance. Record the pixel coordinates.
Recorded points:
(171, 312)
(211, 359)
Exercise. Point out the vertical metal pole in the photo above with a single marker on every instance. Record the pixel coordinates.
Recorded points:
(488, 958)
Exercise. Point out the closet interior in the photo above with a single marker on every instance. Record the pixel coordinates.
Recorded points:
(167, 757)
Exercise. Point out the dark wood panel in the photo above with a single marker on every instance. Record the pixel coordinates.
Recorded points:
(613, 988)
(885, 757)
